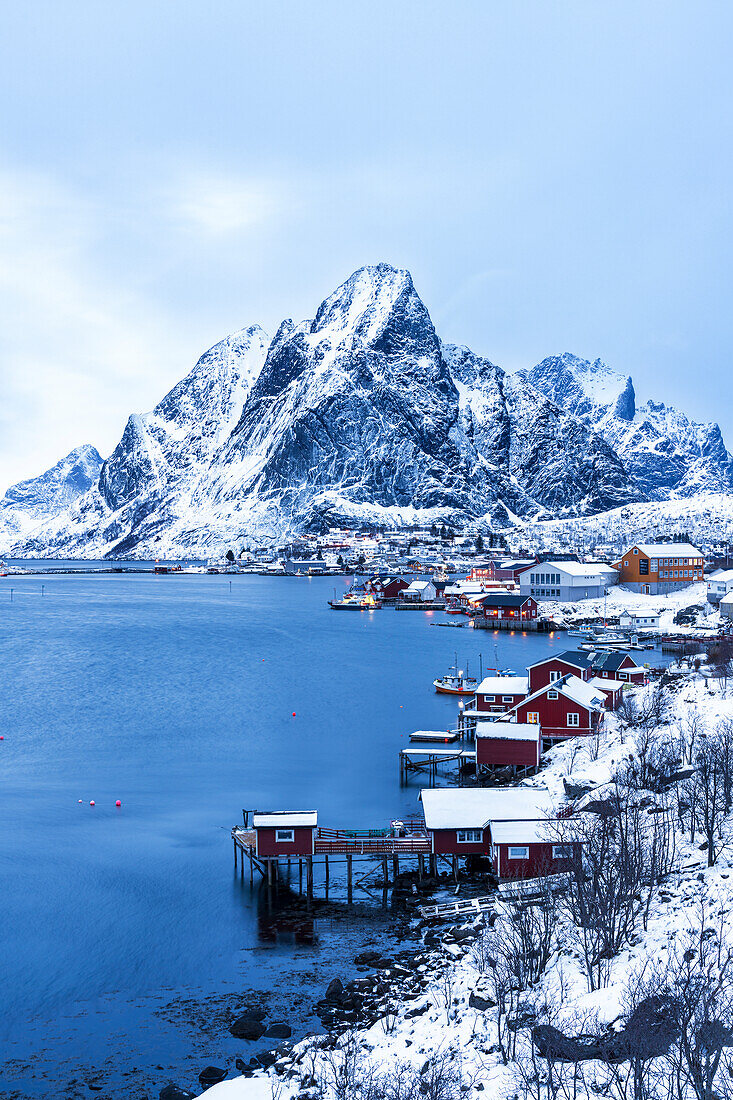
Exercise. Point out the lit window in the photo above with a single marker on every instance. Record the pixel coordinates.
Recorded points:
(284, 836)
(519, 852)
(573, 719)
(533, 718)
(470, 836)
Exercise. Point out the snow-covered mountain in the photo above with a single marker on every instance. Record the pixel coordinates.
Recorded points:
(665, 452)
(37, 500)
(361, 416)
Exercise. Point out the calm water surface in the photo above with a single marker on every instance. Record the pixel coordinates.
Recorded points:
(125, 935)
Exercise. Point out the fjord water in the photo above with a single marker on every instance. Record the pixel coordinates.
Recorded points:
(124, 929)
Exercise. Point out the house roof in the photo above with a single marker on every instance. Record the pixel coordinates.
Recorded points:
(523, 832)
(574, 657)
(577, 568)
(503, 685)
(474, 807)
(722, 575)
(665, 549)
(419, 586)
(610, 660)
(607, 685)
(284, 819)
(573, 688)
(509, 731)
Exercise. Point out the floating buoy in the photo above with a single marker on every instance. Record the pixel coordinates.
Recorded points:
(80, 801)
(293, 714)
(92, 803)
(118, 803)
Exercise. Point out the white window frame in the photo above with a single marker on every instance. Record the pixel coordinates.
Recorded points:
(555, 675)
(576, 723)
(552, 694)
(514, 849)
(469, 836)
(562, 851)
(533, 717)
(285, 836)
(507, 698)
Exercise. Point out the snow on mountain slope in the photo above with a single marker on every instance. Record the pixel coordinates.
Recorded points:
(664, 451)
(37, 500)
(357, 416)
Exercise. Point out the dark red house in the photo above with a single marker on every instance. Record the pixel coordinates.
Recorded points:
(570, 662)
(502, 569)
(387, 588)
(496, 694)
(500, 606)
(612, 689)
(285, 833)
(512, 826)
(507, 744)
(617, 665)
(569, 707)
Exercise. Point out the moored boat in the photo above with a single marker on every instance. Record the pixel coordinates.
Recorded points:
(456, 682)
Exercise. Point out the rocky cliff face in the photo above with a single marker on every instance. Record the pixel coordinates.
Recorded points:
(360, 415)
(38, 500)
(664, 451)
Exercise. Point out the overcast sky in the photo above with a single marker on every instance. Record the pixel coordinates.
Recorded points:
(555, 175)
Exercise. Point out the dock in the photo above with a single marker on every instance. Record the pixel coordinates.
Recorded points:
(404, 840)
(430, 761)
(448, 910)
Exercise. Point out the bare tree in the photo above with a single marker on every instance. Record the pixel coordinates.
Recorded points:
(712, 786)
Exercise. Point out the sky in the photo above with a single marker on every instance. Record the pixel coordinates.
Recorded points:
(555, 175)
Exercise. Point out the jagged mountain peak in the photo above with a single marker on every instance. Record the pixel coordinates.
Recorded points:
(57, 487)
(584, 387)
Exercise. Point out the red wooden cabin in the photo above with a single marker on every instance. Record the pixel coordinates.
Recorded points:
(283, 833)
(568, 663)
(564, 708)
(387, 588)
(507, 744)
(496, 694)
(617, 665)
(612, 689)
(528, 849)
(501, 606)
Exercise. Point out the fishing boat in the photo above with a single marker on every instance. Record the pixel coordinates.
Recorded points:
(355, 601)
(456, 682)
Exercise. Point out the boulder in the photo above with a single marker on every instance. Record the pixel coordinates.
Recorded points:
(335, 990)
(246, 1027)
(278, 1030)
(266, 1058)
(366, 958)
(212, 1075)
(175, 1092)
(482, 1004)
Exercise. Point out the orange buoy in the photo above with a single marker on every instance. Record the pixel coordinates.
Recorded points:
(118, 803)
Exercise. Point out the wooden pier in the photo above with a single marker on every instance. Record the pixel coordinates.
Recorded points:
(405, 840)
(428, 762)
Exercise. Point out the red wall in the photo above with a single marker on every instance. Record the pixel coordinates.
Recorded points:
(301, 846)
(553, 716)
(527, 611)
(539, 675)
(495, 752)
(497, 706)
(540, 862)
(445, 842)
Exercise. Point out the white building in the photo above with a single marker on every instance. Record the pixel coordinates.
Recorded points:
(639, 620)
(567, 580)
(423, 591)
(726, 606)
(720, 583)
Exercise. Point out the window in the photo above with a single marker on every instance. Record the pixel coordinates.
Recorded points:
(626, 564)
(644, 567)
(573, 719)
(470, 836)
(635, 550)
(521, 852)
(552, 694)
(554, 676)
(507, 698)
(284, 836)
(489, 698)
(562, 851)
(533, 718)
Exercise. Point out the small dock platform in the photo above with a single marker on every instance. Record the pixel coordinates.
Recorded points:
(449, 910)
(428, 761)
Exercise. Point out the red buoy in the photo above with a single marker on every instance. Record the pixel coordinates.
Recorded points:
(293, 714)
(118, 803)
(92, 803)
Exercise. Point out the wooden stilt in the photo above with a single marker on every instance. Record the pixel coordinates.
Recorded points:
(455, 868)
(235, 857)
(269, 874)
(385, 871)
(251, 870)
(395, 867)
(350, 885)
(310, 877)
(327, 876)
(420, 867)
(300, 876)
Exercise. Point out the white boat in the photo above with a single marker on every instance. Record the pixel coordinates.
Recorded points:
(456, 682)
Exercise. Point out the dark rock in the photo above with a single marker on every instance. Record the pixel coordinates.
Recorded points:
(483, 1004)
(246, 1027)
(366, 958)
(212, 1075)
(420, 1011)
(266, 1058)
(279, 1030)
(335, 990)
(175, 1092)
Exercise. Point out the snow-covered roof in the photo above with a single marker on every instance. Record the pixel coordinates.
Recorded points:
(723, 575)
(473, 808)
(524, 832)
(509, 731)
(578, 568)
(612, 660)
(668, 549)
(418, 586)
(727, 600)
(285, 819)
(609, 685)
(503, 685)
(580, 692)
(575, 657)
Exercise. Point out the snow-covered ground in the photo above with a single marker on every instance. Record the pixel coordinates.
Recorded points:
(469, 1044)
(621, 599)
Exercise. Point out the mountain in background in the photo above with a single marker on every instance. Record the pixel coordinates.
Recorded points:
(362, 417)
(665, 452)
(39, 499)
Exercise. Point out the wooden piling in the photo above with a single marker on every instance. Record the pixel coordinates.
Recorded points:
(309, 862)
(327, 876)
(350, 884)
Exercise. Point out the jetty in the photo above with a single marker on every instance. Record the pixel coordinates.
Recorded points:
(429, 761)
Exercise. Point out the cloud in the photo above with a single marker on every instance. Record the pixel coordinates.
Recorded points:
(219, 204)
